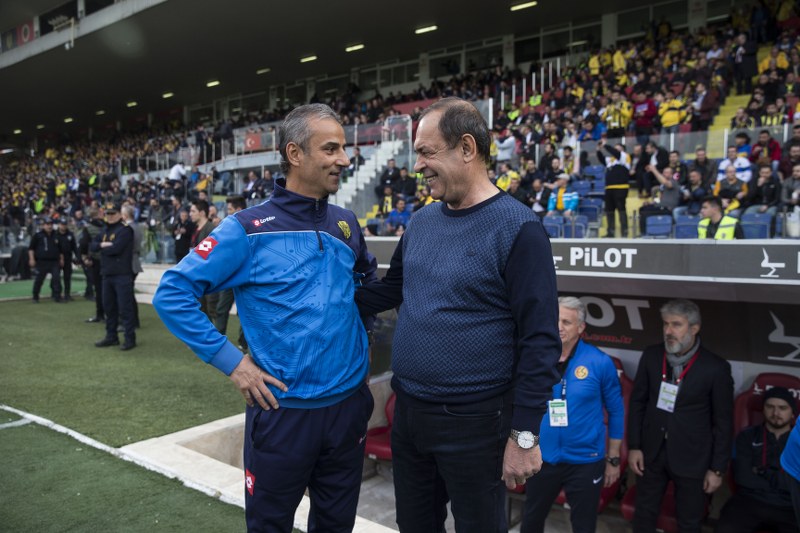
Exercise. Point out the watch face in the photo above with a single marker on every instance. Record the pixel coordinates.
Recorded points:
(525, 440)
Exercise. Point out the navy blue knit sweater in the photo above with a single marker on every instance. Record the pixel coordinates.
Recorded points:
(479, 311)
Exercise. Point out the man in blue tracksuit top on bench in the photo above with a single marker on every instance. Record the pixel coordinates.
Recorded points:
(574, 431)
(293, 263)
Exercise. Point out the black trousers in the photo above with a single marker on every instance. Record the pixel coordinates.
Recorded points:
(743, 514)
(615, 203)
(96, 279)
(690, 500)
(43, 268)
(67, 272)
(582, 485)
(117, 296)
(134, 304)
(794, 488)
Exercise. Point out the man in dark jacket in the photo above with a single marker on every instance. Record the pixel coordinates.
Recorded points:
(91, 260)
(765, 195)
(115, 245)
(45, 256)
(680, 421)
(762, 500)
(68, 247)
(743, 54)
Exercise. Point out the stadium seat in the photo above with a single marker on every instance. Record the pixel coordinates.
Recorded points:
(595, 171)
(577, 227)
(379, 445)
(755, 230)
(591, 208)
(554, 226)
(582, 187)
(658, 226)
(686, 230)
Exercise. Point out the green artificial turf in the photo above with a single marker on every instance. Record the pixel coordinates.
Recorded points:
(52, 483)
(24, 288)
(50, 367)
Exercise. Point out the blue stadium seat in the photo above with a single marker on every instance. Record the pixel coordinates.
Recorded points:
(591, 207)
(577, 227)
(582, 187)
(554, 226)
(659, 226)
(595, 171)
(761, 218)
(755, 230)
(686, 230)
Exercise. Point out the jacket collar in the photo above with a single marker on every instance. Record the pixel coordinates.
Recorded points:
(297, 204)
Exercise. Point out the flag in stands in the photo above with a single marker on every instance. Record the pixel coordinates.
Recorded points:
(252, 141)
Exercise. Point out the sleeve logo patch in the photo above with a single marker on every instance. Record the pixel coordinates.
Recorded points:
(205, 247)
(345, 227)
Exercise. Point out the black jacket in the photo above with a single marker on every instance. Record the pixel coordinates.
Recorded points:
(44, 246)
(117, 259)
(67, 245)
(698, 434)
(757, 472)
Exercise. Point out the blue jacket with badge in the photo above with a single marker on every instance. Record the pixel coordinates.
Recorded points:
(293, 263)
(592, 384)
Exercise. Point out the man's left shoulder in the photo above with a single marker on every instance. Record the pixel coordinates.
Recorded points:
(713, 360)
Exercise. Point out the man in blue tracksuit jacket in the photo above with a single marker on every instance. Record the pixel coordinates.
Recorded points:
(573, 432)
(293, 263)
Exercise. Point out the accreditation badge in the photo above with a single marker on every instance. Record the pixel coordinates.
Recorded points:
(667, 395)
(557, 411)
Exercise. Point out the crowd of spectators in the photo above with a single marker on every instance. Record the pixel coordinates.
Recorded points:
(666, 82)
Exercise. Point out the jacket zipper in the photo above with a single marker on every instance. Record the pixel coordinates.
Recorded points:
(316, 229)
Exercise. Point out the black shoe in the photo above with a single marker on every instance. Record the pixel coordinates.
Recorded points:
(107, 342)
(35, 300)
(127, 346)
(94, 319)
(59, 301)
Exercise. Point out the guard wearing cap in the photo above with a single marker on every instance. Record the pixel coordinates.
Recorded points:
(763, 492)
(91, 260)
(115, 245)
(44, 255)
(68, 247)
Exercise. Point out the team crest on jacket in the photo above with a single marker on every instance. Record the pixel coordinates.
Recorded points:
(345, 227)
(205, 247)
(581, 372)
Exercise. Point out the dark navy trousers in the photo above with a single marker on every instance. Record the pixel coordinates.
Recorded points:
(450, 452)
(287, 450)
(117, 302)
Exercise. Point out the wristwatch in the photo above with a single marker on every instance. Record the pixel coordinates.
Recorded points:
(613, 461)
(524, 439)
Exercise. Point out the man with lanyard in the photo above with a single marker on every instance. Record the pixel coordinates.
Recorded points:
(680, 421)
(573, 432)
(762, 499)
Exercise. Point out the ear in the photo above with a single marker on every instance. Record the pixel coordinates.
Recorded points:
(293, 154)
(695, 329)
(469, 148)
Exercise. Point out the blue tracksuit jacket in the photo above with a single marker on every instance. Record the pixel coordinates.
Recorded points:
(592, 384)
(293, 263)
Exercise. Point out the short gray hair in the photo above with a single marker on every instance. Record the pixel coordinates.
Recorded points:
(127, 211)
(684, 308)
(294, 128)
(570, 302)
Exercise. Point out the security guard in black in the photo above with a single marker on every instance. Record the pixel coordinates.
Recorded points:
(115, 245)
(68, 247)
(45, 256)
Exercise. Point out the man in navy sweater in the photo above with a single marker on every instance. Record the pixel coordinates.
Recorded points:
(476, 346)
